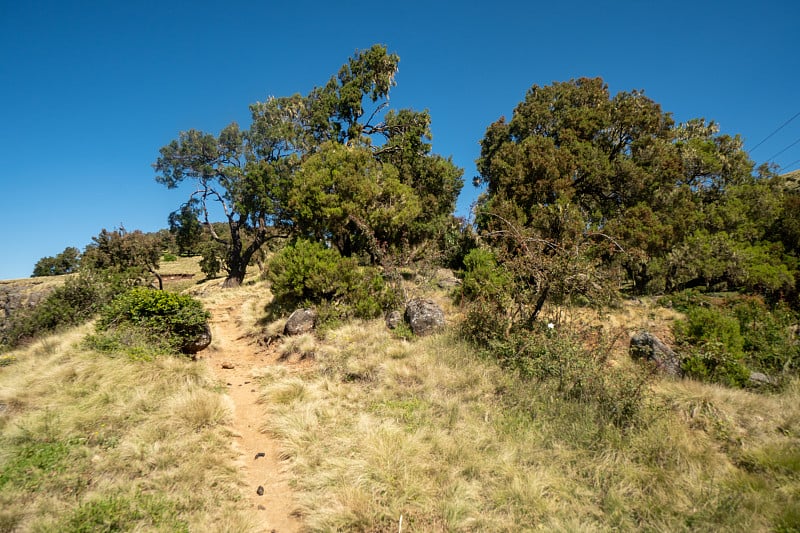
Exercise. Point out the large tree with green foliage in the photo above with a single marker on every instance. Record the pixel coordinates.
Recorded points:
(616, 177)
(266, 178)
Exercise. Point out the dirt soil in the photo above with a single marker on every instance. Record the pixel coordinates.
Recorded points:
(232, 357)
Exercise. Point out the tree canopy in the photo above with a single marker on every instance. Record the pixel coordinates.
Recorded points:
(578, 176)
(325, 166)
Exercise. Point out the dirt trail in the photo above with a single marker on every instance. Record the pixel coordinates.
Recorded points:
(232, 358)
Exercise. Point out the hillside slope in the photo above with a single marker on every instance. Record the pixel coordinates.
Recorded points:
(365, 431)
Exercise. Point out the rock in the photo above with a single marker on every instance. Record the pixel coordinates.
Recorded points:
(759, 379)
(301, 321)
(200, 342)
(260, 490)
(645, 345)
(424, 316)
(393, 319)
(445, 279)
(227, 365)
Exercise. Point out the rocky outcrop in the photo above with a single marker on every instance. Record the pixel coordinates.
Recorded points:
(645, 345)
(301, 321)
(424, 316)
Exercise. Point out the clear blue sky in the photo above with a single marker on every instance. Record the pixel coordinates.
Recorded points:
(89, 91)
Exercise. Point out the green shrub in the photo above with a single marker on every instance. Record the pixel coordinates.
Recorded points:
(712, 362)
(68, 305)
(308, 274)
(769, 344)
(726, 336)
(711, 324)
(169, 257)
(168, 318)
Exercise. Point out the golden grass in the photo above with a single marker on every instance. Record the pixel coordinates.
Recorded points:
(381, 430)
(87, 438)
(429, 431)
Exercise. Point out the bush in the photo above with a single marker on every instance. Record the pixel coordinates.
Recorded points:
(769, 343)
(68, 305)
(711, 362)
(308, 274)
(726, 336)
(169, 319)
(571, 363)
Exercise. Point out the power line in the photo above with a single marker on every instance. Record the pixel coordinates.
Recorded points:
(779, 128)
(779, 153)
(790, 165)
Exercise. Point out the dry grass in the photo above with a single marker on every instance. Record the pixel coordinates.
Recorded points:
(381, 428)
(89, 442)
(428, 431)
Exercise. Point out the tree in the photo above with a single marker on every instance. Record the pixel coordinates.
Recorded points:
(344, 195)
(627, 177)
(185, 226)
(65, 262)
(127, 255)
(260, 180)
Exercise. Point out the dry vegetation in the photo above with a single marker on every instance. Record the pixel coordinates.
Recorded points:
(96, 443)
(426, 431)
(383, 434)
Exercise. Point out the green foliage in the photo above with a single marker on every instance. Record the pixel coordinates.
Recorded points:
(769, 342)
(70, 304)
(213, 260)
(458, 239)
(726, 338)
(671, 206)
(165, 317)
(483, 276)
(317, 166)
(186, 228)
(711, 361)
(706, 324)
(130, 255)
(306, 273)
(66, 262)
(343, 194)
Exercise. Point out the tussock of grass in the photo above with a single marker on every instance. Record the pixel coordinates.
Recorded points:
(430, 431)
(90, 442)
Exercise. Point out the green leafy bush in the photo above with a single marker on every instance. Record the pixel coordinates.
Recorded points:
(711, 362)
(308, 274)
(168, 319)
(769, 342)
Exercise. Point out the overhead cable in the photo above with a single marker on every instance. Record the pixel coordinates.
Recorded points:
(779, 153)
(779, 128)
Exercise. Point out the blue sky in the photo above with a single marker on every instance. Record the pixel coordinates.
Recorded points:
(91, 90)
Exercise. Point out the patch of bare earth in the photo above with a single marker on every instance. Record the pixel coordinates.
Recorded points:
(233, 358)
